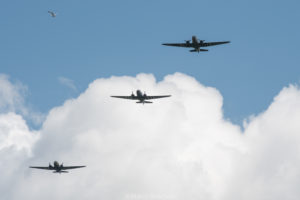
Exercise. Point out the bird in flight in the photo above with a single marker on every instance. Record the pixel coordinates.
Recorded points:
(52, 13)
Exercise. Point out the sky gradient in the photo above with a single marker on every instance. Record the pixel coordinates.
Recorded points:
(93, 39)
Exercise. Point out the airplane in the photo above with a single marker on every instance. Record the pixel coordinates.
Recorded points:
(141, 97)
(52, 14)
(57, 167)
(196, 44)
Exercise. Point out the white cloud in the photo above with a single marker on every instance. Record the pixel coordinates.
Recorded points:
(176, 148)
(12, 99)
(14, 132)
(16, 140)
(67, 82)
(11, 95)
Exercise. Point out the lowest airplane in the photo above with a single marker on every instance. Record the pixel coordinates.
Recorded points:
(142, 98)
(196, 44)
(57, 168)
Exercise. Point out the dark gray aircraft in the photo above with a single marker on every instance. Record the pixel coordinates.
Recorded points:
(196, 44)
(57, 167)
(141, 97)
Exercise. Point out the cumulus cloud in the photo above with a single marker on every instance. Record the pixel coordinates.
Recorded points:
(12, 99)
(176, 148)
(11, 95)
(14, 132)
(16, 139)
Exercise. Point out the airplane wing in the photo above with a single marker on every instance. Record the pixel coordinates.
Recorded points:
(46, 168)
(71, 167)
(157, 97)
(178, 44)
(126, 97)
(207, 44)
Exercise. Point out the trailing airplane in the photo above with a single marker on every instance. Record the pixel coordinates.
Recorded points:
(141, 97)
(196, 44)
(57, 167)
(52, 13)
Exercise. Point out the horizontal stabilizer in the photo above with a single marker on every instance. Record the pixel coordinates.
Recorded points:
(60, 172)
(144, 102)
(194, 50)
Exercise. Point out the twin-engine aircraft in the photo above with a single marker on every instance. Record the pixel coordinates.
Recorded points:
(196, 44)
(142, 98)
(57, 167)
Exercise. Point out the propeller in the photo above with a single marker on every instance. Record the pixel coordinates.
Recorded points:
(132, 94)
(145, 94)
(187, 41)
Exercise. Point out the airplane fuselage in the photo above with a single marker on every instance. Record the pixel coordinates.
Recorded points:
(196, 43)
(57, 167)
(140, 96)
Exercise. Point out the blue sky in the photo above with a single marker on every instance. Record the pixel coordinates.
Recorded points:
(93, 39)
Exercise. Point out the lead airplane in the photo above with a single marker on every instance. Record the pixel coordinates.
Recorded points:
(57, 167)
(141, 97)
(196, 44)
